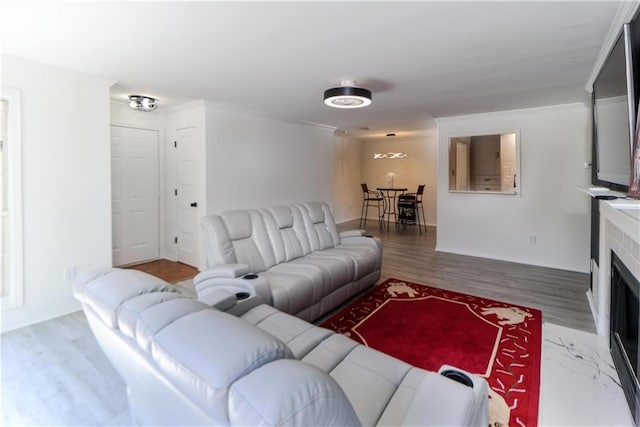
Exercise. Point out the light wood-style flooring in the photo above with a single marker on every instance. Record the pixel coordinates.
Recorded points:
(54, 373)
(559, 294)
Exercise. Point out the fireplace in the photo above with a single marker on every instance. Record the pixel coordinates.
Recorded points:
(625, 304)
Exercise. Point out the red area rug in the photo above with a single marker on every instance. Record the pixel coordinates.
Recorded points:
(428, 327)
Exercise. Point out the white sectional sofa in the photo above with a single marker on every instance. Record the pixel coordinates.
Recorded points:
(188, 363)
(291, 257)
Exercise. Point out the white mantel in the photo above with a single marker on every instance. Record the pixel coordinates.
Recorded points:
(620, 232)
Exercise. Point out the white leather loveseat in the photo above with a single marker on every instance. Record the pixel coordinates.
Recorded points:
(291, 257)
(186, 363)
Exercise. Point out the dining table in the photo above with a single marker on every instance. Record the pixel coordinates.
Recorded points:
(390, 195)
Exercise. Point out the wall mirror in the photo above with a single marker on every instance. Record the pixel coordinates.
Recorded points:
(484, 163)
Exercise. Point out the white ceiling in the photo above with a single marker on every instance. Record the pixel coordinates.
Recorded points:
(420, 59)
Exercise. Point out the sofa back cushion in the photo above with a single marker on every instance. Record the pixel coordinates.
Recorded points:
(320, 226)
(203, 353)
(287, 232)
(238, 236)
(129, 312)
(107, 290)
(262, 238)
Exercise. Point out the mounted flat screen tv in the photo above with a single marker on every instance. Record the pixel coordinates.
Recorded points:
(614, 116)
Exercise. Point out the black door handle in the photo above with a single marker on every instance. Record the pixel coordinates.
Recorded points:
(194, 204)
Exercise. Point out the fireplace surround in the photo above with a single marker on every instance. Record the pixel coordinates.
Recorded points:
(618, 245)
(624, 345)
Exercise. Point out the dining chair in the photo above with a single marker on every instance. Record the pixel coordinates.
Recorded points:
(410, 206)
(374, 199)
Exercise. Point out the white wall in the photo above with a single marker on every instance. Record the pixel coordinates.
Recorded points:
(248, 160)
(347, 192)
(255, 161)
(66, 184)
(419, 167)
(555, 145)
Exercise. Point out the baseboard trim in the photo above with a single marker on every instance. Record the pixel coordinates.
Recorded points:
(515, 261)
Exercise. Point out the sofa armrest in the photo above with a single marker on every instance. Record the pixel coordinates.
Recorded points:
(364, 240)
(480, 391)
(352, 233)
(231, 299)
(439, 400)
(222, 299)
(222, 270)
(216, 279)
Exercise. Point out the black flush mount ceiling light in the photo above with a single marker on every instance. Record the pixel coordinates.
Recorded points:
(142, 103)
(347, 96)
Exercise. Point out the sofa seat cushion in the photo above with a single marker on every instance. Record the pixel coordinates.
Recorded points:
(335, 271)
(294, 288)
(358, 369)
(364, 258)
(301, 337)
(404, 395)
(364, 369)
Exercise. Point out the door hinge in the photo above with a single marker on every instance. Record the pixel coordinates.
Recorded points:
(175, 192)
(175, 144)
(175, 240)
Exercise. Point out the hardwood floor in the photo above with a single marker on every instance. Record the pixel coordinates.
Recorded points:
(172, 272)
(559, 294)
(54, 373)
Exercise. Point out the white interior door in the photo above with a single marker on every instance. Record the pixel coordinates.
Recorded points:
(135, 195)
(188, 179)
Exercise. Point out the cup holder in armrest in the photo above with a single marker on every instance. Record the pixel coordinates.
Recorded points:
(457, 376)
(250, 276)
(242, 295)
